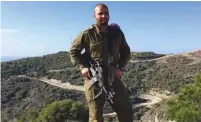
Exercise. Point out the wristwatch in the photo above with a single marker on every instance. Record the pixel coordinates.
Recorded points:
(121, 68)
(80, 66)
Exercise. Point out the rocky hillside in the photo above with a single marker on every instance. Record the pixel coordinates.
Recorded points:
(23, 87)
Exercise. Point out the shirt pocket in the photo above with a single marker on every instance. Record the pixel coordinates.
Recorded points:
(96, 49)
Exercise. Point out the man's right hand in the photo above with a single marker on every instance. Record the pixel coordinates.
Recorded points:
(85, 72)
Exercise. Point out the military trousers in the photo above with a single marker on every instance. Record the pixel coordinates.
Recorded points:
(122, 105)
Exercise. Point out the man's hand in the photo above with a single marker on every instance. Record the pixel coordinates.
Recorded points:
(117, 73)
(85, 72)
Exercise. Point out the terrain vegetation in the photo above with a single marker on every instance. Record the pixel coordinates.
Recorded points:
(31, 86)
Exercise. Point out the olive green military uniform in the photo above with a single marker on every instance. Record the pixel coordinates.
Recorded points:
(92, 41)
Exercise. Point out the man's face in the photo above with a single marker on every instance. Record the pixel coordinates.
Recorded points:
(101, 15)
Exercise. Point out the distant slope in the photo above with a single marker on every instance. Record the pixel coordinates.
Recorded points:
(37, 64)
(9, 58)
(167, 73)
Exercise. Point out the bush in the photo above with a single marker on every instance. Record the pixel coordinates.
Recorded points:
(61, 111)
(186, 106)
(28, 116)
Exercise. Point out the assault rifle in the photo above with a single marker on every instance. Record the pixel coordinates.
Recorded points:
(96, 73)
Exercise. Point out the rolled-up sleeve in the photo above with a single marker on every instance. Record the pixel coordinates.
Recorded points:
(77, 47)
(124, 50)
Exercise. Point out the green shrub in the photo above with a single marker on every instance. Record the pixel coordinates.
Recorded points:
(61, 111)
(186, 106)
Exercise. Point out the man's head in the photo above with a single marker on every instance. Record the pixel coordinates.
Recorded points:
(101, 14)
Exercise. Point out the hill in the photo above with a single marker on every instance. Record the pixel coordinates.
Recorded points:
(9, 58)
(143, 73)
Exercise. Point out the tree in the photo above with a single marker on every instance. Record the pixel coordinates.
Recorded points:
(63, 111)
(186, 106)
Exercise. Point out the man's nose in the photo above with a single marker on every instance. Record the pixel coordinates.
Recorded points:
(104, 15)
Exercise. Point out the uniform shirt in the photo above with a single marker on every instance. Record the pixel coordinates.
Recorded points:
(92, 41)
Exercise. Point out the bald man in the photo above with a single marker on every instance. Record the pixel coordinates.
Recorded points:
(93, 41)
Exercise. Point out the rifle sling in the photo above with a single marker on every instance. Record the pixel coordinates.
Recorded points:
(108, 55)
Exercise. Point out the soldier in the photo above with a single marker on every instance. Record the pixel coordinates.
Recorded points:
(92, 40)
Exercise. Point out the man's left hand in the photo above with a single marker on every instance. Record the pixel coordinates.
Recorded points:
(117, 73)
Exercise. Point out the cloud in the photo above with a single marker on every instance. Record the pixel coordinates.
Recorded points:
(8, 30)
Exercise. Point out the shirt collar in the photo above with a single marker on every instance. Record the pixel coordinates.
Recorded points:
(98, 30)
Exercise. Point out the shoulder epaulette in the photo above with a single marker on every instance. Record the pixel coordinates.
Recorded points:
(89, 28)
